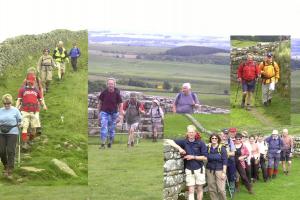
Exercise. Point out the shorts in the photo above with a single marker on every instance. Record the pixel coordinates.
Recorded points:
(156, 126)
(248, 86)
(61, 66)
(30, 119)
(46, 75)
(134, 126)
(285, 155)
(197, 178)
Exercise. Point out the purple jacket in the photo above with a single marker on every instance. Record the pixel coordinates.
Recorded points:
(274, 145)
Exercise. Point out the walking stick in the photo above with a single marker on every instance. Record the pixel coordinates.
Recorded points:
(236, 94)
(19, 148)
(257, 88)
(230, 192)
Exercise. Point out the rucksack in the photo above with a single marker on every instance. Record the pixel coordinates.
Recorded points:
(249, 76)
(137, 104)
(269, 70)
(179, 96)
(219, 148)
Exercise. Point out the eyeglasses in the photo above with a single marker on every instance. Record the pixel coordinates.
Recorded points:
(238, 139)
(6, 103)
(214, 138)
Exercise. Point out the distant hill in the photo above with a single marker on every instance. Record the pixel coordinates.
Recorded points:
(194, 51)
(295, 64)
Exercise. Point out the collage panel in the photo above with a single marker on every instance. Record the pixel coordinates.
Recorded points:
(295, 84)
(260, 80)
(43, 79)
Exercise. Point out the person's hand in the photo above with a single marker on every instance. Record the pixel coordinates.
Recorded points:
(276, 80)
(45, 107)
(189, 157)
(278, 151)
(241, 158)
(291, 154)
(239, 79)
(223, 176)
(181, 151)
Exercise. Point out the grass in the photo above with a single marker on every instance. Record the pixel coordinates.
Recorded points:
(67, 98)
(121, 173)
(241, 44)
(295, 97)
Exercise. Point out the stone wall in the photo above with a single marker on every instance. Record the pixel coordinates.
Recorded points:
(297, 146)
(145, 125)
(173, 174)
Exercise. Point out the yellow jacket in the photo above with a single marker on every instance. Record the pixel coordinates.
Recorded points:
(263, 69)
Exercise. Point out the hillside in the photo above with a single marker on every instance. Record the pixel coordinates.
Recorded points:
(65, 140)
(194, 51)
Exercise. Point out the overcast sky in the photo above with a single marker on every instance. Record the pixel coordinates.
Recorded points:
(196, 17)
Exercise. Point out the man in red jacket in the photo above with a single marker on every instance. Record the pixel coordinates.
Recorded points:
(247, 73)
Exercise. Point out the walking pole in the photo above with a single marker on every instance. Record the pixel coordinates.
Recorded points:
(19, 148)
(230, 192)
(257, 88)
(236, 94)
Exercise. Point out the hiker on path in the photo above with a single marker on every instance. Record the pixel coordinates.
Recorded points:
(195, 152)
(275, 145)
(186, 101)
(241, 155)
(44, 67)
(133, 110)
(60, 56)
(231, 167)
(29, 100)
(74, 54)
(270, 74)
(287, 151)
(216, 168)
(247, 74)
(157, 115)
(263, 148)
(10, 118)
(110, 108)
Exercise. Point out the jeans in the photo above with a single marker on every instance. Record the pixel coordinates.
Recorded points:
(8, 149)
(108, 126)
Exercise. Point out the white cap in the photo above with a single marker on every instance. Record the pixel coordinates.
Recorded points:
(188, 85)
(156, 101)
(275, 132)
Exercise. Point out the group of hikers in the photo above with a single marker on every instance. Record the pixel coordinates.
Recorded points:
(112, 110)
(231, 158)
(26, 113)
(249, 73)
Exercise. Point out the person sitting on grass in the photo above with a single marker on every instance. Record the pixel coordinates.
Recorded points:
(194, 152)
(133, 109)
(157, 115)
(216, 168)
(10, 118)
(186, 101)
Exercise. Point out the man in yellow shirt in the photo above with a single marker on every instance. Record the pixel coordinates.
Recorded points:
(270, 73)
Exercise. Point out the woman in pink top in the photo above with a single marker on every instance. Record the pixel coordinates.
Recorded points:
(240, 156)
(254, 158)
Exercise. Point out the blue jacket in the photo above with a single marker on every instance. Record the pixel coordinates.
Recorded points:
(274, 144)
(216, 160)
(196, 148)
(74, 52)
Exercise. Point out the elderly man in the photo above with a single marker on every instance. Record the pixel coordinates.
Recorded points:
(186, 101)
(247, 73)
(60, 56)
(287, 150)
(110, 106)
(270, 75)
(275, 145)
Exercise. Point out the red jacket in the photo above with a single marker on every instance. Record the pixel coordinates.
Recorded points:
(248, 71)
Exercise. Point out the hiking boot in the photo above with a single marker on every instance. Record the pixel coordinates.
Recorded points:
(109, 145)
(132, 144)
(248, 107)
(237, 186)
(273, 176)
(5, 171)
(243, 105)
(269, 101)
(39, 131)
(9, 174)
(102, 146)
(265, 103)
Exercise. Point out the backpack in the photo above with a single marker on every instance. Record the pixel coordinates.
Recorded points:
(249, 74)
(179, 96)
(219, 148)
(157, 112)
(132, 112)
(269, 70)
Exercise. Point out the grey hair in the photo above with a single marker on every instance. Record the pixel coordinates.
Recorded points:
(111, 79)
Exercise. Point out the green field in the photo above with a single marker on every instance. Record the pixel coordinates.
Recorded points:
(121, 173)
(205, 78)
(295, 98)
(241, 44)
(63, 141)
